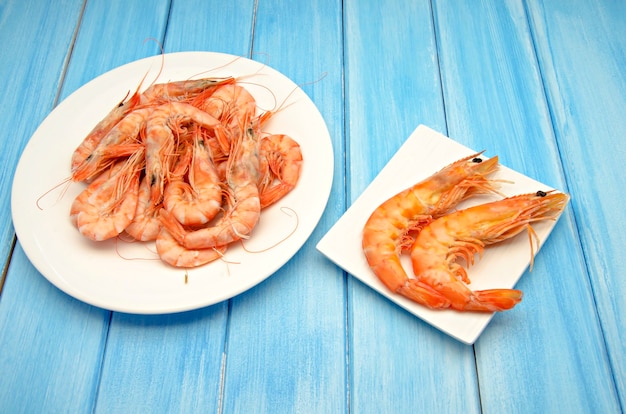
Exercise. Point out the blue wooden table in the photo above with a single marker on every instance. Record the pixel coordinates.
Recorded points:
(541, 83)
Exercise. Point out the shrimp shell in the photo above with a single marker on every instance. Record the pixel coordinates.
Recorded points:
(145, 226)
(464, 233)
(171, 252)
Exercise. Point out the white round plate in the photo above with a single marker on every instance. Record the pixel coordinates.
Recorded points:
(128, 277)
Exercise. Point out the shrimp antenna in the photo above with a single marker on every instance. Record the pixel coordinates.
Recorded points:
(160, 45)
(230, 62)
(288, 212)
(66, 182)
(122, 239)
(264, 54)
(284, 105)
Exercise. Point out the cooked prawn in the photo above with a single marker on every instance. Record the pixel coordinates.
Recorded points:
(181, 90)
(281, 160)
(244, 208)
(385, 232)
(233, 105)
(110, 146)
(92, 140)
(153, 95)
(464, 233)
(145, 226)
(164, 121)
(176, 255)
(198, 199)
(107, 206)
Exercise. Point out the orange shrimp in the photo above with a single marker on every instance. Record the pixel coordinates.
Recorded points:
(386, 231)
(233, 105)
(160, 142)
(126, 130)
(464, 233)
(92, 140)
(244, 207)
(107, 206)
(176, 255)
(281, 161)
(181, 90)
(195, 201)
(145, 226)
(155, 94)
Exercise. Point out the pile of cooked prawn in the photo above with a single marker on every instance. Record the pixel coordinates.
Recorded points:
(420, 219)
(185, 164)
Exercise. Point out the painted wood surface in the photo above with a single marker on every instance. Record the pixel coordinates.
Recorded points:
(286, 338)
(540, 83)
(583, 61)
(33, 59)
(491, 44)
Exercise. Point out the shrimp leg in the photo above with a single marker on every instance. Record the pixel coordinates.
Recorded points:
(112, 145)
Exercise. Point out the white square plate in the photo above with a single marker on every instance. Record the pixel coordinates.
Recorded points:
(424, 153)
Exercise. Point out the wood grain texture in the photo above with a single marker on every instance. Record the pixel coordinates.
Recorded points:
(32, 60)
(495, 99)
(540, 83)
(196, 25)
(66, 340)
(164, 363)
(397, 362)
(127, 31)
(581, 49)
(286, 341)
(51, 345)
(40, 358)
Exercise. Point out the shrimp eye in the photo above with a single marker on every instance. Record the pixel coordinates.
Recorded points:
(541, 193)
(477, 160)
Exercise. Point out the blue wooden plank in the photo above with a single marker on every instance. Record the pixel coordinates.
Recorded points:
(164, 363)
(398, 363)
(174, 363)
(65, 340)
(551, 344)
(210, 26)
(39, 366)
(51, 345)
(581, 49)
(34, 49)
(286, 338)
(130, 31)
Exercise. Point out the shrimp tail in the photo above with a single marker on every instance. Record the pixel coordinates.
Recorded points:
(492, 300)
